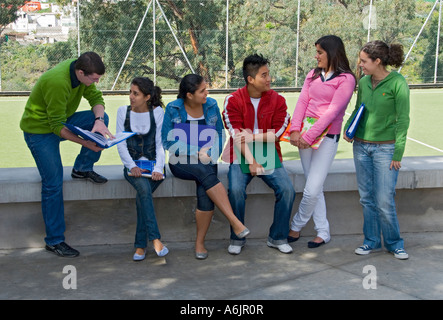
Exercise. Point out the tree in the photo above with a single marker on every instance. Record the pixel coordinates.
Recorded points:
(109, 28)
(268, 27)
(25, 64)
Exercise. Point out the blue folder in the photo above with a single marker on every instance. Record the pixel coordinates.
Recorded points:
(350, 131)
(147, 166)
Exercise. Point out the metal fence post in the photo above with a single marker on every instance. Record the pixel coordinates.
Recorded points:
(437, 45)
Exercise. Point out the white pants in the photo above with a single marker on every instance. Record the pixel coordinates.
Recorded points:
(316, 164)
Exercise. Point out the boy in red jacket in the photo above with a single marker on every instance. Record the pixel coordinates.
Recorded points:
(255, 113)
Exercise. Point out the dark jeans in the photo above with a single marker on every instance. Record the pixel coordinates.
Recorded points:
(205, 177)
(45, 149)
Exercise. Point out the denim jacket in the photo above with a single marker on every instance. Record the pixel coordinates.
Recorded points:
(176, 113)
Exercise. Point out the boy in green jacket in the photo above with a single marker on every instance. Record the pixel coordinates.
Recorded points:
(52, 102)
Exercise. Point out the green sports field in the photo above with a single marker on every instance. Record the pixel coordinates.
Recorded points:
(425, 135)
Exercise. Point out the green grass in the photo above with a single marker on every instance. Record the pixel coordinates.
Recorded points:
(426, 112)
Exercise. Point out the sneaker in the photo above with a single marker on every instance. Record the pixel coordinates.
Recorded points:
(283, 248)
(234, 249)
(400, 254)
(364, 249)
(63, 250)
(91, 175)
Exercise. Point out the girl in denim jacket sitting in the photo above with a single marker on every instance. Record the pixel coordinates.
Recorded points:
(191, 161)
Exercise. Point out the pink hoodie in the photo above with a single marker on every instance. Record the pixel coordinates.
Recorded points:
(326, 101)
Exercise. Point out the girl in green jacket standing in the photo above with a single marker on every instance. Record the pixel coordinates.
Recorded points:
(379, 144)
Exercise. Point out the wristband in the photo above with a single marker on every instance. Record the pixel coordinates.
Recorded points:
(100, 118)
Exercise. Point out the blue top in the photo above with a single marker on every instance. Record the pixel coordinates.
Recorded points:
(176, 113)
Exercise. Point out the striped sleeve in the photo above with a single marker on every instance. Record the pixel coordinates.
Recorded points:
(286, 123)
(226, 118)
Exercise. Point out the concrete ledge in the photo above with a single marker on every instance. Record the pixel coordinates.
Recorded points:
(105, 214)
(18, 185)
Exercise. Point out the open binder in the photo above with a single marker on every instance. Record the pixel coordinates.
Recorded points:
(100, 140)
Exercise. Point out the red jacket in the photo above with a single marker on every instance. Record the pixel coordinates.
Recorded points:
(239, 113)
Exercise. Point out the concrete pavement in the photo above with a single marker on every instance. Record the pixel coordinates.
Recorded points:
(259, 273)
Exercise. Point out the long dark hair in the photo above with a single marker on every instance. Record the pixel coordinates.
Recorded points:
(337, 59)
(147, 87)
(189, 83)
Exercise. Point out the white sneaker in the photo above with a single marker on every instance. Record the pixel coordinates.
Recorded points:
(363, 250)
(400, 254)
(284, 248)
(234, 249)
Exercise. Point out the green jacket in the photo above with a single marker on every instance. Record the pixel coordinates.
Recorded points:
(53, 99)
(387, 111)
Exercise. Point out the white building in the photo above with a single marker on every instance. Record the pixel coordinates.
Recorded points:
(44, 27)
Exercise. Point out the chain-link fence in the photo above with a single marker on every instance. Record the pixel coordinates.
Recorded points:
(167, 39)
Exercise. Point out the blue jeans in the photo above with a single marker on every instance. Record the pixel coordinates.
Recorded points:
(45, 148)
(146, 221)
(284, 198)
(376, 186)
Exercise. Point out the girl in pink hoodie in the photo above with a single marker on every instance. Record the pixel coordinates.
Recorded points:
(315, 130)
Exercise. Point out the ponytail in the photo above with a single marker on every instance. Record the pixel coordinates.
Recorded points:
(389, 55)
(156, 97)
(147, 87)
(395, 55)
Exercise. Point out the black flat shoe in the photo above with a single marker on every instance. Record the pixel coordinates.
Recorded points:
(312, 244)
(292, 239)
